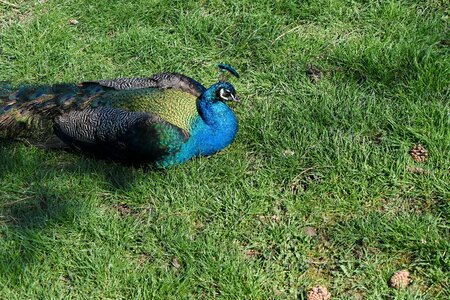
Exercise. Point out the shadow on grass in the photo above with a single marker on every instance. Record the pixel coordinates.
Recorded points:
(43, 190)
(119, 175)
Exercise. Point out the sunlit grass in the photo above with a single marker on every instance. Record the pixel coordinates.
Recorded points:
(331, 155)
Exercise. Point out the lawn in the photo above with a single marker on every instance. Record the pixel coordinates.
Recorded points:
(319, 187)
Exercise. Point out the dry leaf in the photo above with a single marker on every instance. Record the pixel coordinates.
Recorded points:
(288, 152)
(175, 263)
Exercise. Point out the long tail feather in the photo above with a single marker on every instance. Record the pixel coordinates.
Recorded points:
(30, 110)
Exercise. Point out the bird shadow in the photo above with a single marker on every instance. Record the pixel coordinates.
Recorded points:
(31, 206)
(35, 168)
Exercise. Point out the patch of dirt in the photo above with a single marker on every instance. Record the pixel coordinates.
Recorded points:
(358, 253)
(251, 253)
(65, 278)
(265, 219)
(361, 250)
(377, 139)
(16, 13)
(445, 42)
(310, 231)
(198, 225)
(314, 73)
(143, 259)
(417, 170)
(124, 209)
(303, 180)
(409, 205)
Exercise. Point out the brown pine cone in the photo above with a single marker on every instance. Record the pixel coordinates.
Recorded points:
(419, 153)
(400, 279)
(318, 293)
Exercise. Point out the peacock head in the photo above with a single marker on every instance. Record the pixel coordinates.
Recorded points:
(223, 90)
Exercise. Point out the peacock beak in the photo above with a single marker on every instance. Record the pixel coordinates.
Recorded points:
(235, 98)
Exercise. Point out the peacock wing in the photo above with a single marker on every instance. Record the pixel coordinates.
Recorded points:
(160, 81)
(27, 109)
(119, 134)
(171, 96)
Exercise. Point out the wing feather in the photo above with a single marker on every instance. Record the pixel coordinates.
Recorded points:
(159, 81)
(118, 134)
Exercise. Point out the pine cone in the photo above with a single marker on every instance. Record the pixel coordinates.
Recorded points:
(400, 279)
(318, 293)
(419, 153)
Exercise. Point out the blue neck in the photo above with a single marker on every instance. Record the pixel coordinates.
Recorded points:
(219, 127)
(214, 130)
(207, 107)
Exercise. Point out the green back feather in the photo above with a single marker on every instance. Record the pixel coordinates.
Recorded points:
(174, 106)
(29, 110)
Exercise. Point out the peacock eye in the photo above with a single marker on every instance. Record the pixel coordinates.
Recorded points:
(225, 94)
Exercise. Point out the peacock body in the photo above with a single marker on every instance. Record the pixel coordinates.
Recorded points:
(165, 119)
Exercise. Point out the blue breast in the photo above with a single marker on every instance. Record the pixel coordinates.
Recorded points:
(206, 139)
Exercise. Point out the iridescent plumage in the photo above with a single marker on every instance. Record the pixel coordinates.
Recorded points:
(164, 119)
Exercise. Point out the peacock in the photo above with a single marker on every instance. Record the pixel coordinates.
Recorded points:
(162, 120)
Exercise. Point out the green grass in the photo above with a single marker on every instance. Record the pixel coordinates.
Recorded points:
(232, 226)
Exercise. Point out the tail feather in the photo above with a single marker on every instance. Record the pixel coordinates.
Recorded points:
(29, 110)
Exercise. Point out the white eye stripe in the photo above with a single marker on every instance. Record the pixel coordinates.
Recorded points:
(225, 94)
